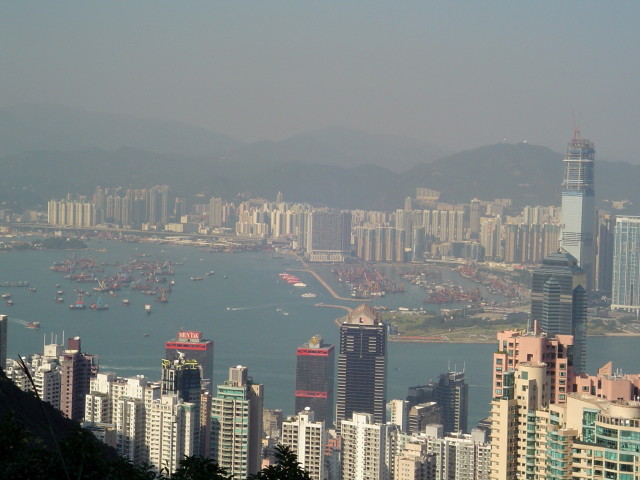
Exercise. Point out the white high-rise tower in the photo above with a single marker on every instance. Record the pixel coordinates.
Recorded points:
(578, 203)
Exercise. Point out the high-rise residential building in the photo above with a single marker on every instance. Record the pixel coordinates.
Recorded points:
(76, 370)
(4, 322)
(459, 456)
(559, 302)
(593, 434)
(414, 462)
(625, 291)
(192, 346)
(578, 203)
(159, 205)
(452, 395)
(307, 438)
(314, 378)
(124, 404)
(170, 431)
(236, 424)
(216, 211)
(367, 452)
(398, 413)
(328, 236)
(362, 365)
(515, 347)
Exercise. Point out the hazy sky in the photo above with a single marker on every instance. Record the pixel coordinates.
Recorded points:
(455, 74)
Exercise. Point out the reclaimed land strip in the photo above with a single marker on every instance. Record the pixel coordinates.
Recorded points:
(327, 286)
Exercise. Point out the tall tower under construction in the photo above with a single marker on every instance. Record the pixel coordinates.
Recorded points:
(578, 203)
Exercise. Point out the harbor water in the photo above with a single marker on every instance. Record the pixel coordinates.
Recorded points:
(254, 319)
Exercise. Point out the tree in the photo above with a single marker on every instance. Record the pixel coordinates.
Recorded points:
(286, 467)
(199, 468)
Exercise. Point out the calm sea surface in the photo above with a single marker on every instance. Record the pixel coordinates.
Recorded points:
(253, 320)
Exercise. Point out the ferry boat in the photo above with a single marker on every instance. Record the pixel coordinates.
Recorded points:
(32, 325)
(300, 284)
(147, 308)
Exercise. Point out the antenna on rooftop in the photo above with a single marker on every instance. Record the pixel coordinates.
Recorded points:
(576, 127)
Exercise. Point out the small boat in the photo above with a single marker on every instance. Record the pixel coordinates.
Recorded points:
(163, 298)
(225, 276)
(59, 299)
(195, 279)
(32, 325)
(146, 334)
(147, 308)
(210, 273)
(77, 306)
(308, 295)
(9, 303)
(6, 296)
(32, 289)
(59, 292)
(99, 305)
(300, 284)
(125, 302)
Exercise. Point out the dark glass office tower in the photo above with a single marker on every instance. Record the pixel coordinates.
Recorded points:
(452, 395)
(559, 302)
(314, 378)
(362, 365)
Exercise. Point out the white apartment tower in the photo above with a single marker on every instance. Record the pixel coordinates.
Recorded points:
(367, 448)
(307, 439)
(170, 431)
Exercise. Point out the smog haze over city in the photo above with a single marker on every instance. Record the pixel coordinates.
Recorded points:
(255, 232)
(457, 75)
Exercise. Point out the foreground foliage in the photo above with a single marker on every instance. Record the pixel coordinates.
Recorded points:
(81, 456)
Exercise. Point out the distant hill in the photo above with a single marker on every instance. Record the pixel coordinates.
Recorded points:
(526, 173)
(344, 147)
(27, 128)
(33, 128)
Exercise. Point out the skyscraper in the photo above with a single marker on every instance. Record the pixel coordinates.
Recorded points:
(314, 378)
(193, 346)
(367, 451)
(4, 320)
(236, 424)
(76, 370)
(578, 203)
(559, 302)
(452, 395)
(362, 365)
(307, 439)
(626, 265)
(328, 236)
(181, 377)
